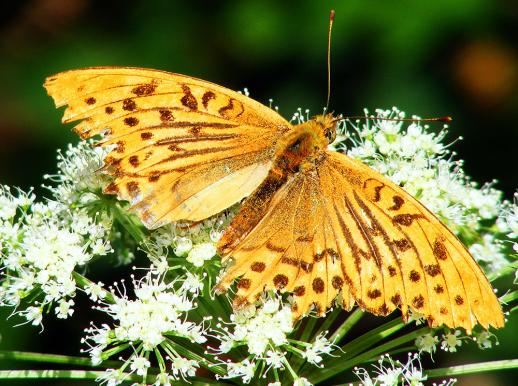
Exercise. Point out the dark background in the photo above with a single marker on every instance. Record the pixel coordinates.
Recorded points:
(431, 58)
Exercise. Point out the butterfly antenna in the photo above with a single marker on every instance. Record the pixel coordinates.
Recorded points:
(446, 119)
(331, 19)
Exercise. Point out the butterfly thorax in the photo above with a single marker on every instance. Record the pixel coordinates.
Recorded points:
(303, 144)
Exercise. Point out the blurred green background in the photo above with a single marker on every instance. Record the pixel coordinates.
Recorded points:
(431, 58)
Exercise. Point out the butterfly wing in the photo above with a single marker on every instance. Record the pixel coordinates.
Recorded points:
(356, 231)
(288, 245)
(184, 148)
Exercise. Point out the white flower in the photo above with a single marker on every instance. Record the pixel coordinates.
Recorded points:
(185, 367)
(427, 342)
(390, 377)
(244, 370)
(509, 217)
(302, 382)
(95, 291)
(274, 359)
(112, 377)
(484, 340)
(320, 346)
(201, 253)
(192, 283)
(451, 341)
(64, 310)
(34, 315)
(413, 374)
(42, 246)
(489, 251)
(78, 174)
(164, 379)
(139, 364)
(157, 311)
(183, 246)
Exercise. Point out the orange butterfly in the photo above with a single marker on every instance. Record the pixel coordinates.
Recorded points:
(315, 222)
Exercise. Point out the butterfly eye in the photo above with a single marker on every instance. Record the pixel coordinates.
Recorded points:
(330, 134)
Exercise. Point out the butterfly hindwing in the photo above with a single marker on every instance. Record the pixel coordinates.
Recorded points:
(291, 248)
(184, 148)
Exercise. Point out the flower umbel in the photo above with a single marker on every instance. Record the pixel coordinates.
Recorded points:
(166, 326)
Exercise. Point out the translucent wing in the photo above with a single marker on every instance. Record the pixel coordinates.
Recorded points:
(184, 148)
(368, 237)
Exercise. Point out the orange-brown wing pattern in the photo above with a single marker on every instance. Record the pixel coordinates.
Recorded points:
(292, 248)
(343, 226)
(399, 253)
(184, 149)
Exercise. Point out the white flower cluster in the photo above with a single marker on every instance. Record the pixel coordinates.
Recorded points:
(451, 340)
(508, 222)
(78, 179)
(418, 160)
(147, 323)
(166, 322)
(41, 245)
(264, 329)
(259, 327)
(389, 372)
(194, 243)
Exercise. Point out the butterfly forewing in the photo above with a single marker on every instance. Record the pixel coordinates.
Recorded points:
(184, 149)
(420, 263)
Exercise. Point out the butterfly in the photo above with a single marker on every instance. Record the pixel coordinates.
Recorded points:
(314, 222)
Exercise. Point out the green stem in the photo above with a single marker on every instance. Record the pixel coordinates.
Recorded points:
(346, 326)
(125, 220)
(87, 374)
(506, 364)
(53, 358)
(68, 374)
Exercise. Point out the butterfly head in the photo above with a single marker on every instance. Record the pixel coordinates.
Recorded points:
(326, 125)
